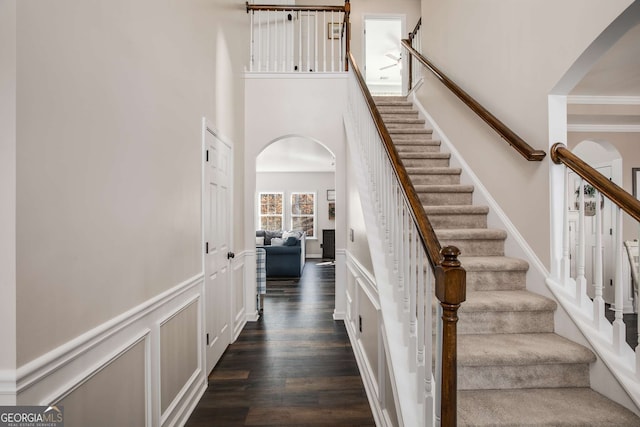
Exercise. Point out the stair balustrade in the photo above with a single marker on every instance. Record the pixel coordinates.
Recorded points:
(298, 39)
(593, 274)
(417, 268)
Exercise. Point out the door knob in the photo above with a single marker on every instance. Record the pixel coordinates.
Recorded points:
(230, 255)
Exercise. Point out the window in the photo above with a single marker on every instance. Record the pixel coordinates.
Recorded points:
(303, 213)
(271, 211)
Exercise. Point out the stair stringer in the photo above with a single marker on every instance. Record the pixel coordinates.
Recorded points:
(404, 381)
(607, 375)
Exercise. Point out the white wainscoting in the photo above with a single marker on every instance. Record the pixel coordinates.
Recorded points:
(361, 284)
(69, 368)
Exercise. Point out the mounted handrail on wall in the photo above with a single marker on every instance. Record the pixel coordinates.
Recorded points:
(503, 130)
(291, 38)
(412, 244)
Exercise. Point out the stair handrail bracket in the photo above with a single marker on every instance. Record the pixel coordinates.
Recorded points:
(413, 268)
(513, 139)
(596, 282)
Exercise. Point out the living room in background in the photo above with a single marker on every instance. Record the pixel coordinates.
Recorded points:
(271, 214)
(303, 213)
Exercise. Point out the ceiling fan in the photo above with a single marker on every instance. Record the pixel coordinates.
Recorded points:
(396, 60)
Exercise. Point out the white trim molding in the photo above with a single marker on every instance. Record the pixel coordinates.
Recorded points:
(58, 373)
(7, 387)
(603, 100)
(602, 128)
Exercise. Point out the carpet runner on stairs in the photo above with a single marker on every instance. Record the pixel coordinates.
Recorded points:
(512, 368)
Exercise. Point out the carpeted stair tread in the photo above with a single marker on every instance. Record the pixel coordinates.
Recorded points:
(395, 110)
(456, 210)
(413, 143)
(520, 349)
(390, 98)
(419, 155)
(541, 407)
(500, 301)
(409, 131)
(493, 263)
(394, 103)
(404, 121)
(471, 233)
(434, 156)
(451, 188)
(435, 171)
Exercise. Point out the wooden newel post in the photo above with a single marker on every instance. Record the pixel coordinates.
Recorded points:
(451, 292)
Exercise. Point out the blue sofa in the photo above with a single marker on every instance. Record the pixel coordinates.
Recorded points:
(287, 259)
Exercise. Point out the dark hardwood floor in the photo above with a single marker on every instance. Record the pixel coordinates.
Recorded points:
(294, 367)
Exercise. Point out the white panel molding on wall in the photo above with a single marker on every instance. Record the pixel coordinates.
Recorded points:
(374, 388)
(56, 374)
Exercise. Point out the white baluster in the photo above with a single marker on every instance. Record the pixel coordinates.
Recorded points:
(268, 59)
(619, 331)
(566, 249)
(252, 42)
(324, 40)
(332, 43)
(299, 41)
(315, 36)
(581, 280)
(259, 41)
(598, 302)
(308, 65)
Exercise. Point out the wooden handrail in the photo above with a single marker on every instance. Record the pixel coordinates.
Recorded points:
(560, 154)
(450, 276)
(425, 230)
(293, 7)
(505, 132)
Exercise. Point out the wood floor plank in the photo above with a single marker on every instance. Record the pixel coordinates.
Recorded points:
(293, 367)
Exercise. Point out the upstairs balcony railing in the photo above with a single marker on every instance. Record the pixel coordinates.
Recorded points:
(299, 39)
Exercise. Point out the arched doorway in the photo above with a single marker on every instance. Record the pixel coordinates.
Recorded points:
(295, 191)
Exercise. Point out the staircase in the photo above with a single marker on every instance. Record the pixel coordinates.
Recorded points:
(512, 368)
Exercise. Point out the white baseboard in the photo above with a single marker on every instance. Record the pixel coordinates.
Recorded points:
(7, 387)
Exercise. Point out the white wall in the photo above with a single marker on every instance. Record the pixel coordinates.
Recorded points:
(7, 199)
(288, 182)
(504, 55)
(111, 96)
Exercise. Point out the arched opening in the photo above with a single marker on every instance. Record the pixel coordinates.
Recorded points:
(295, 192)
(597, 104)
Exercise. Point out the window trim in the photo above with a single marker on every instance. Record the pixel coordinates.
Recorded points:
(260, 215)
(314, 216)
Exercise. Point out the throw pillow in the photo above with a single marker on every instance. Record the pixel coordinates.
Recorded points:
(291, 241)
(277, 241)
(260, 241)
(287, 234)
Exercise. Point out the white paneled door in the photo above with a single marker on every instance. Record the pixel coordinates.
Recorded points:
(217, 238)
